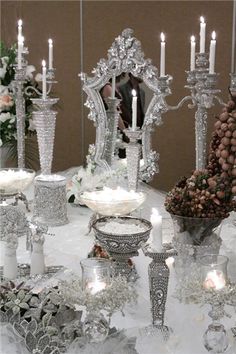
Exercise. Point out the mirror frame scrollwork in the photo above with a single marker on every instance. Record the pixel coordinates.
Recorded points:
(125, 56)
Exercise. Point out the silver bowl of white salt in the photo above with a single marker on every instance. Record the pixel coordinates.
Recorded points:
(15, 180)
(112, 202)
(123, 234)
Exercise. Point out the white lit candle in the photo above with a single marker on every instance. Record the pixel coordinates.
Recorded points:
(50, 54)
(96, 286)
(202, 34)
(212, 53)
(163, 54)
(113, 86)
(44, 83)
(192, 56)
(214, 280)
(156, 233)
(20, 28)
(134, 110)
(19, 51)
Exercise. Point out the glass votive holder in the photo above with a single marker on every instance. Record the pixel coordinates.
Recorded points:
(96, 274)
(214, 271)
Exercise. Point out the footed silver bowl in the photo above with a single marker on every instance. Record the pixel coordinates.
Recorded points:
(121, 245)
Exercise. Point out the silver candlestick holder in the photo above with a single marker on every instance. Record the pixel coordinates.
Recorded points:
(18, 91)
(112, 115)
(18, 87)
(45, 121)
(158, 273)
(133, 153)
(233, 83)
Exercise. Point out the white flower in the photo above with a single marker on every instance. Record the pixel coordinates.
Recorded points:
(4, 90)
(5, 116)
(0, 142)
(29, 70)
(5, 60)
(38, 77)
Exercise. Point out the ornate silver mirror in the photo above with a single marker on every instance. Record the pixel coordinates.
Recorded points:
(124, 57)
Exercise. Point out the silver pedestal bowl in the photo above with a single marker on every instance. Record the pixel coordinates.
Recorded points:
(122, 245)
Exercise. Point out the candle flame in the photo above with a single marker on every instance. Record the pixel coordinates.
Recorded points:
(162, 37)
(44, 63)
(50, 41)
(192, 38)
(202, 20)
(20, 23)
(134, 93)
(213, 35)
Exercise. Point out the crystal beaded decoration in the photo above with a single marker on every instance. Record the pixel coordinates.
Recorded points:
(50, 203)
(45, 121)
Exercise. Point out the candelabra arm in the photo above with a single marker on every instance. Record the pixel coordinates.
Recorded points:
(180, 104)
(31, 88)
(219, 100)
(49, 88)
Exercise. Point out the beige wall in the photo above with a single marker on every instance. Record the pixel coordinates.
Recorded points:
(102, 22)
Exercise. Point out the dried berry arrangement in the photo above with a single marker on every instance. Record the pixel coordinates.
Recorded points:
(209, 193)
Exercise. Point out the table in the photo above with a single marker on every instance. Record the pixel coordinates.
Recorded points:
(71, 243)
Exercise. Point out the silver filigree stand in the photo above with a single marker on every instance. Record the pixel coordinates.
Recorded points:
(50, 203)
(158, 273)
(45, 121)
(112, 114)
(133, 152)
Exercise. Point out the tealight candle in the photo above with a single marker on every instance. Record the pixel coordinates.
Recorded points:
(134, 110)
(214, 280)
(96, 286)
(214, 271)
(95, 274)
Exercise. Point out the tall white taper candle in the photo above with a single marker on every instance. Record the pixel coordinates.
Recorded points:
(212, 53)
(192, 56)
(163, 54)
(44, 83)
(134, 110)
(113, 86)
(156, 233)
(50, 54)
(19, 51)
(202, 34)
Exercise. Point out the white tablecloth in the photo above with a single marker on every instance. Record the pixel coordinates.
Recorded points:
(71, 243)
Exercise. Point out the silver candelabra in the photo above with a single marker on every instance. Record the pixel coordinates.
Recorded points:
(203, 94)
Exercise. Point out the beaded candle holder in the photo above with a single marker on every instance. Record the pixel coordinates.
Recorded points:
(50, 203)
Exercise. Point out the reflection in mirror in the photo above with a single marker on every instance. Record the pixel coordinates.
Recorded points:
(110, 103)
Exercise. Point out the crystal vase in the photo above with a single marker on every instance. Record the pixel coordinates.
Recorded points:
(193, 238)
